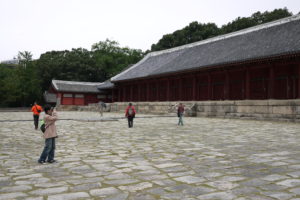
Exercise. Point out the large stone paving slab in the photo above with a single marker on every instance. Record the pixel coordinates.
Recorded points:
(156, 159)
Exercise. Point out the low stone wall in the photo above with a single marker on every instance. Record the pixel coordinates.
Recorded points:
(286, 110)
(280, 110)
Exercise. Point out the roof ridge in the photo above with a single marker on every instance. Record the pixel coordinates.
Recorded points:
(210, 40)
(74, 82)
(228, 35)
(130, 68)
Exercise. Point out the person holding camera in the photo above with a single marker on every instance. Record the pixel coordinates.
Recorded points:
(36, 109)
(50, 134)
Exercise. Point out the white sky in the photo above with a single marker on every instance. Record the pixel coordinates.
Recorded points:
(39, 26)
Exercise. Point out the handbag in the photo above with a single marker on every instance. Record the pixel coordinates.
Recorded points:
(43, 126)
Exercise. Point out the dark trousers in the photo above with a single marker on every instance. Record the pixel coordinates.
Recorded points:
(49, 150)
(130, 121)
(36, 121)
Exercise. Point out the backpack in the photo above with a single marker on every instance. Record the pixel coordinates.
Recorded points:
(130, 112)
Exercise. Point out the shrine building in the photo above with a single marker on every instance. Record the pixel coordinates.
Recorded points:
(261, 62)
(78, 93)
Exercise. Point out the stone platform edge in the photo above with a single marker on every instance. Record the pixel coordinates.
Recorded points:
(278, 110)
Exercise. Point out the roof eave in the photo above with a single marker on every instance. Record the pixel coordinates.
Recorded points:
(215, 66)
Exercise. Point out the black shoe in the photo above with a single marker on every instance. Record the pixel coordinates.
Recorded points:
(41, 162)
(51, 161)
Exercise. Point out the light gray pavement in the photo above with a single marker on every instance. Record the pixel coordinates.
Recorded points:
(205, 159)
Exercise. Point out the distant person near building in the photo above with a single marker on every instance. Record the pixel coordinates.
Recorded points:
(50, 134)
(102, 106)
(180, 112)
(130, 114)
(36, 109)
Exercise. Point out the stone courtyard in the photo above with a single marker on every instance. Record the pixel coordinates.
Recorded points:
(208, 158)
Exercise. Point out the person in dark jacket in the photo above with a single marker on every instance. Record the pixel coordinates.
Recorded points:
(130, 114)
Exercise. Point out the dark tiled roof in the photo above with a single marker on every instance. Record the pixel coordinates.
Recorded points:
(105, 85)
(281, 37)
(50, 97)
(74, 86)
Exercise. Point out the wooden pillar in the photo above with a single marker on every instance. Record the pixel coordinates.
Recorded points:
(148, 91)
(226, 86)
(180, 96)
(139, 97)
(209, 88)
(157, 91)
(271, 83)
(131, 92)
(194, 88)
(168, 90)
(298, 81)
(247, 84)
(119, 94)
(124, 94)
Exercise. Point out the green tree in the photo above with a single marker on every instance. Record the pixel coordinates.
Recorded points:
(255, 19)
(27, 79)
(192, 33)
(110, 59)
(104, 60)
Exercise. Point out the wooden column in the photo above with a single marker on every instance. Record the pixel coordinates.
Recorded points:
(271, 83)
(180, 90)
(157, 91)
(226, 86)
(247, 84)
(139, 92)
(168, 90)
(210, 92)
(194, 88)
(298, 81)
(124, 94)
(131, 93)
(148, 92)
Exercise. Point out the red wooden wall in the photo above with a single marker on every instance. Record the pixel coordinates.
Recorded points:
(273, 80)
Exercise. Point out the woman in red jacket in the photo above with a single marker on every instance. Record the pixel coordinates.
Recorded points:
(130, 114)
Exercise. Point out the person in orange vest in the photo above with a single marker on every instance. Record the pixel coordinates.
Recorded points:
(36, 109)
(130, 114)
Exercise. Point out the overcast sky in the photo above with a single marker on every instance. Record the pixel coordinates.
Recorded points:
(39, 26)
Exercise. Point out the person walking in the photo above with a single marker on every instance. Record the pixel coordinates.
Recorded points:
(101, 106)
(36, 109)
(50, 134)
(180, 112)
(130, 114)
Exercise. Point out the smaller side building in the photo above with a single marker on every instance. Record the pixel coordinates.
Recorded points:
(77, 93)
